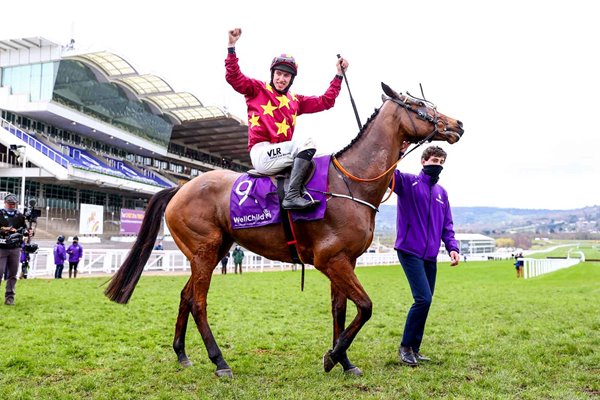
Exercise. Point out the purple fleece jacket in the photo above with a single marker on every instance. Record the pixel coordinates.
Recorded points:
(424, 217)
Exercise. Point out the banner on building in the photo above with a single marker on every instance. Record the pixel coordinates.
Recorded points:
(91, 219)
(131, 221)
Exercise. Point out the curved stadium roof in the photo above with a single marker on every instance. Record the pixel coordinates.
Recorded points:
(146, 84)
(205, 128)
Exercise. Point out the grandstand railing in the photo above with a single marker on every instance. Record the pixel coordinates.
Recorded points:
(65, 162)
(107, 262)
(36, 144)
(533, 267)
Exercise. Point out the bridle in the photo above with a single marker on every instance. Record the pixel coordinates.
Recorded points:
(422, 114)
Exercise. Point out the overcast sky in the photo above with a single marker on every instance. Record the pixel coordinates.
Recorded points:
(521, 75)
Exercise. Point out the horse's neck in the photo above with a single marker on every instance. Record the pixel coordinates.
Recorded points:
(376, 151)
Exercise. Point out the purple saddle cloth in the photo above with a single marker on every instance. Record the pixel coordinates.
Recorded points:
(254, 201)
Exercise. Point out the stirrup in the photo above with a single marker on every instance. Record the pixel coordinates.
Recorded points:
(312, 199)
(308, 203)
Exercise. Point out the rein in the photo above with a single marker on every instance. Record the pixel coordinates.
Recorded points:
(356, 179)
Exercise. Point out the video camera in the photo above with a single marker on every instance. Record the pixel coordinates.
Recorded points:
(30, 248)
(31, 214)
(15, 239)
(11, 239)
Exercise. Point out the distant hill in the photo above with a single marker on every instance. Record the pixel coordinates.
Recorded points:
(493, 220)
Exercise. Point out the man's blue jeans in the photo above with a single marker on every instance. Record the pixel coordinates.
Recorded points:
(421, 278)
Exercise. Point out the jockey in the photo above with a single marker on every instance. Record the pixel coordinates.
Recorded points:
(272, 112)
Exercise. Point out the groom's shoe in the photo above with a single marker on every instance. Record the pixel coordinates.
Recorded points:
(407, 356)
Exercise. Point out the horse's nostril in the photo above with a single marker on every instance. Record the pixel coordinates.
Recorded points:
(459, 123)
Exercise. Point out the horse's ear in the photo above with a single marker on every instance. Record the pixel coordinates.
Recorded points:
(388, 90)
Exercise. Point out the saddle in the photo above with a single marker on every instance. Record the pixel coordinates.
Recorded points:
(254, 198)
(282, 182)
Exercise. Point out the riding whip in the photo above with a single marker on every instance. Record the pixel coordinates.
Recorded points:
(350, 93)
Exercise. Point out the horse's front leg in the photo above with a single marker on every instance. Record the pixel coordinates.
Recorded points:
(341, 273)
(338, 311)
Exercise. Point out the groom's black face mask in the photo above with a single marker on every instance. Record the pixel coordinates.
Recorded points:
(433, 171)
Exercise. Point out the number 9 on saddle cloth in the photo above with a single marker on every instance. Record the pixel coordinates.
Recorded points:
(254, 200)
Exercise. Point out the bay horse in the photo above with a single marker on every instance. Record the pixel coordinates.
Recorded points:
(197, 215)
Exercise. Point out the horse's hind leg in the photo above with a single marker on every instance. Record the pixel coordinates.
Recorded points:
(338, 311)
(201, 275)
(185, 306)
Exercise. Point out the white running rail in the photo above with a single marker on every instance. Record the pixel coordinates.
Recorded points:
(535, 267)
(106, 262)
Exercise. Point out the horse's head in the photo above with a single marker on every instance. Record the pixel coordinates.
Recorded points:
(427, 123)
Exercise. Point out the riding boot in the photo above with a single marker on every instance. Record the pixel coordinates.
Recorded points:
(75, 274)
(70, 273)
(293, 198)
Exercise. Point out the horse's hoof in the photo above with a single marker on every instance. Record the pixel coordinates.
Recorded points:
(328, 362)
(186, 363)
(224, 373)
(353, 371)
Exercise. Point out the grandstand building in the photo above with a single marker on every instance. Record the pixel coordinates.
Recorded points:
(472, 244)
(88, 128)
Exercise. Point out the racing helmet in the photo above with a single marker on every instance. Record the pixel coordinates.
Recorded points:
(285, 62)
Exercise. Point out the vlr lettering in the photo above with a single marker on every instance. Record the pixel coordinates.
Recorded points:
(274, 152)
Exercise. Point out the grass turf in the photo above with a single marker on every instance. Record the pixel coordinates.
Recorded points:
(490, 336)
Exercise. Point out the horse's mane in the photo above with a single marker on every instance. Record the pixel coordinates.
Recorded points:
(360, 134)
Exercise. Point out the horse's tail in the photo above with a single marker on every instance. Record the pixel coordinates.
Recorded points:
(123, 283)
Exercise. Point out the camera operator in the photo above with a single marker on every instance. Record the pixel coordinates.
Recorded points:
(12, 229)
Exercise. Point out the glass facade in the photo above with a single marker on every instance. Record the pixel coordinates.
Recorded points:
(36, 80)
(77, 87)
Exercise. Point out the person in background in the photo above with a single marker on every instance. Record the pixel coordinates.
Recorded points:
(24, 262)
(519, 264)
(75, 252)
(12, 229)
(224, 262)
(159, 246)
(424, 219)
(60, 255)
(238, 257)
(272, 112)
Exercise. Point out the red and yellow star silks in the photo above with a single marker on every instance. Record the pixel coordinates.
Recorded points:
(271, 115)
(254, 120)
(268, 109)
(282, 127)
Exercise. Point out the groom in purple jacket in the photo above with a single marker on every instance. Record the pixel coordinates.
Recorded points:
(424, 219)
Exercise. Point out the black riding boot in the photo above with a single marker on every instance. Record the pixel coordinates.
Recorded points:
(293, 198)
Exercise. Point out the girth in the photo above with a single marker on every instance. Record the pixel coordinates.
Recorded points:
(288, 228)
